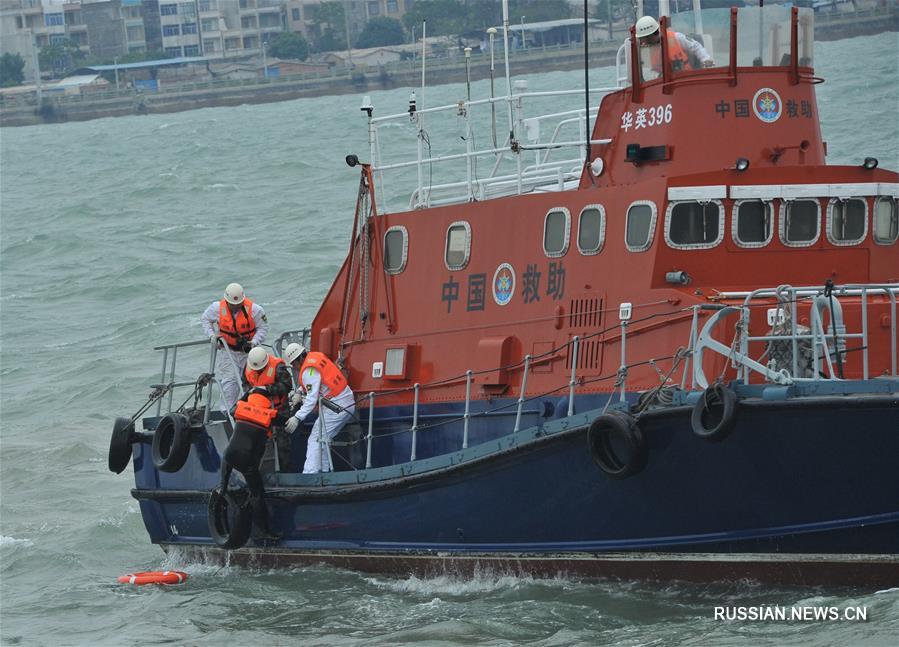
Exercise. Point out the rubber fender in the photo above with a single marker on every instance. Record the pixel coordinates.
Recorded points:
(617, 445)
(171, 442)
(715, 413)
(120, 444)
(230, 518)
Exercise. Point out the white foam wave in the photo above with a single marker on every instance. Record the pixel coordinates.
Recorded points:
(211, 566)
(453, 585)
(13, 541)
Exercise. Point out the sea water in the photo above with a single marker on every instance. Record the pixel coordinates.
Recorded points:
(117, 233)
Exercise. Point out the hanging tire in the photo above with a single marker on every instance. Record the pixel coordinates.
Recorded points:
(171, 442)
(617, 445)
(230, 518)
(715, 413)
(120, 444)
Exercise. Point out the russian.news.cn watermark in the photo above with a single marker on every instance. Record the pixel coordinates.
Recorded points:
(792, 614)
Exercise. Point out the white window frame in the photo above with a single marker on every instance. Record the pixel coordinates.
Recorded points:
(668, 214)
(567, 242)
(782, 223)
(464, 263)
(874, 223)
(405, 248)
(602, 230)
(829, 224)
(734, 223)
(652, 224)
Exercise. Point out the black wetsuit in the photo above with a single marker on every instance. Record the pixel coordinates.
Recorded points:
(244, 453)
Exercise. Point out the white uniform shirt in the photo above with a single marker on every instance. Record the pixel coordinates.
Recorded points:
(311, 380)
(211, 316)
(692, 47)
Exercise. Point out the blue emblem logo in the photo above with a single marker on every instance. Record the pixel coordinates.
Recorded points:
(767, 105)
(503, 284)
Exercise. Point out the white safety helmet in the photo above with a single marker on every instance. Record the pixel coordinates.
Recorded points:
(293, 352)
(234, 293)
(257, 358)
(646, 26)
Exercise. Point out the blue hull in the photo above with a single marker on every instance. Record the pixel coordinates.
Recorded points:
(810, 476)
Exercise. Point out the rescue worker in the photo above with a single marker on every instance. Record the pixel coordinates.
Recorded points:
(254, 415)
(269, 372)
(320, 377)
(683, 52)
(241, 326)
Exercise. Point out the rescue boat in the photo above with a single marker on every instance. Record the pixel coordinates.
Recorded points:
(664, 346)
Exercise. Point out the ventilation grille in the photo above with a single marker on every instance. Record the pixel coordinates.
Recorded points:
(589, 354)
(585, 312)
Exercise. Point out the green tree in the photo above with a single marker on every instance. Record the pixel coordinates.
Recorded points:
(381, 31)
(60, 57)
(444, 17)
(12, 70)
(289, 45)
(329, 26)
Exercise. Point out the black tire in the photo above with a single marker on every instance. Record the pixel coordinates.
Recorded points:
(230, 518)
(714, 414)
(120, 444)
(171, 442)
(617, 445)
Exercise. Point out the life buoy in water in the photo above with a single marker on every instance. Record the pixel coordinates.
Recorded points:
(230, 518)
(715, 413)
(154, 577)
(617, 445)
(171, 442)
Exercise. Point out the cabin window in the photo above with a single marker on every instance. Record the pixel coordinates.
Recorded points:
(752, 220)
(396, 249)
(800, 222)
(641, 221)
(591, 232)
(886, 220)
(694, 225)
(556, 232)
(847, 221)
(458, 245)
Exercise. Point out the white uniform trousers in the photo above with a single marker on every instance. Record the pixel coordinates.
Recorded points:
(318, 449)
(227, 377)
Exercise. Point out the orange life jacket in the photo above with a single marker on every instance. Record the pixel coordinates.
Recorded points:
(266, 377)
(243, 325)
(679, 58)
(256, 409)
(331, 375)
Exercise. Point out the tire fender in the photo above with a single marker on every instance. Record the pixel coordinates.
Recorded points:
(715, 413)
(230, 518)
(171, 442)
(617, 444)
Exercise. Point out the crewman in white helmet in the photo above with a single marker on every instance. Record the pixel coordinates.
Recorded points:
(241, 326)
(683, 52)
(320, 377)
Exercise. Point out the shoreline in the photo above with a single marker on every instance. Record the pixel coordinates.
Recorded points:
(24, 111)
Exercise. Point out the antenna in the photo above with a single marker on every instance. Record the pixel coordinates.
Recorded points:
(587, 130)
(508, 77)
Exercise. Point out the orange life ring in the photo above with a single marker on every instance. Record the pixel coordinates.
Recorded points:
(154, 577)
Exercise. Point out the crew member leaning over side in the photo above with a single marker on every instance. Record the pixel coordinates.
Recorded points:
(241, 326)
(683, 52)
(271, 373)
(320, 377)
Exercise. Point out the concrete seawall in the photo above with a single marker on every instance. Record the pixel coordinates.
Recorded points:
(23, 111)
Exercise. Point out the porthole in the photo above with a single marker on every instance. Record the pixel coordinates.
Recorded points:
(694, 225)
(556, 232)
(396, 249)
(847, 221)
(591, 229)
(641, 224)
(800, 222)
(458, 245)
(752, 222)
(886, 221)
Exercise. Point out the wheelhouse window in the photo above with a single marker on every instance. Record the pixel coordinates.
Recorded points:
(641, 220)
(458, 245)
(556, 232)
(591, 231)
(800, 222)
(396, 249)
(847, 221)
(694, 225)
(886, 220)
(752, 222)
